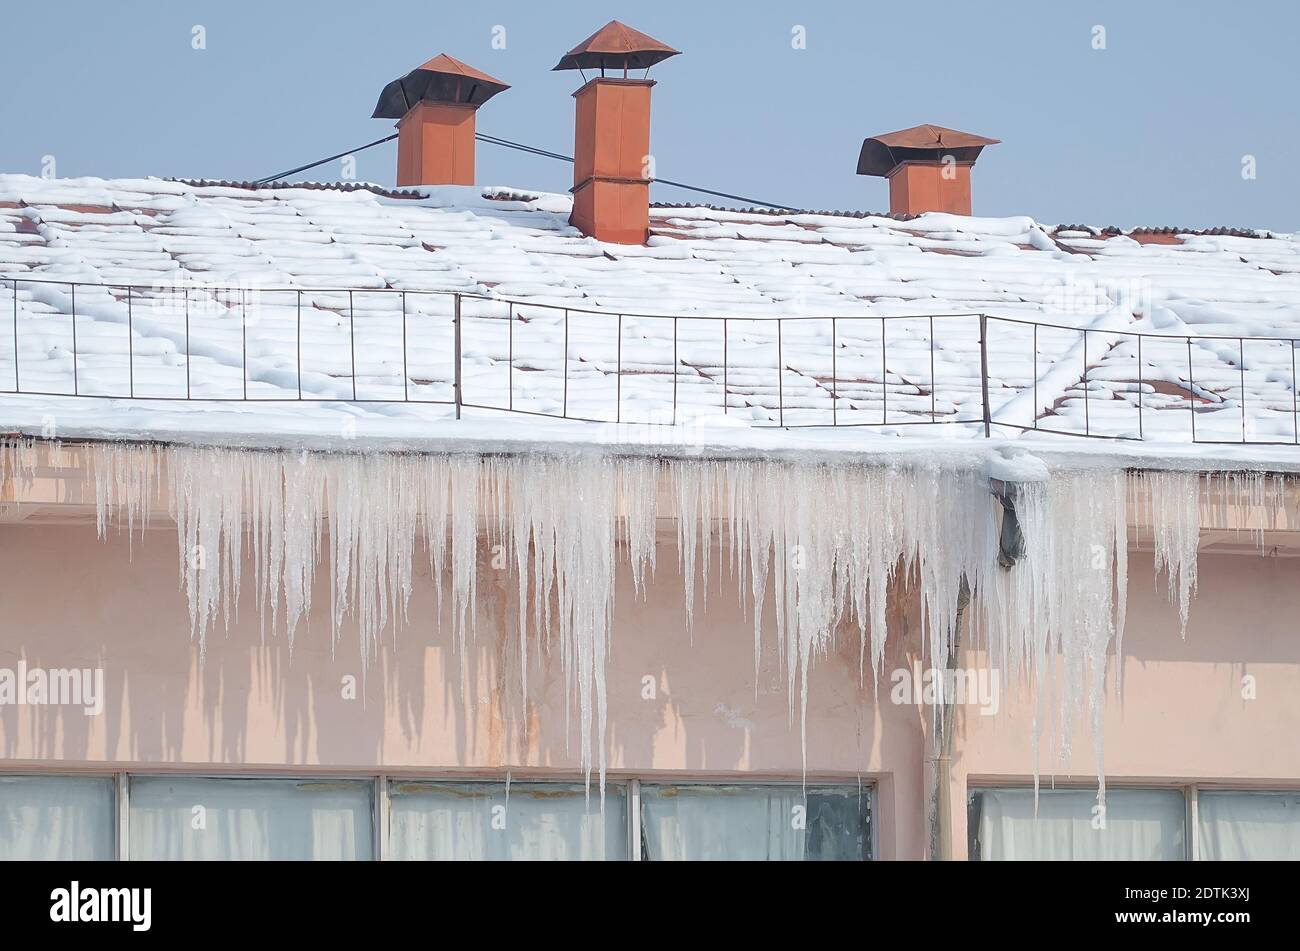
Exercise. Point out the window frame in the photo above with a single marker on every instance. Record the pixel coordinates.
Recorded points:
(868, 787)
(380, 800)
(1191, 800)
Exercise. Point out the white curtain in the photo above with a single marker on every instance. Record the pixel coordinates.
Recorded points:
(56, 818)
(243, 819)
(754, 823)
(1139, 824)
(555, 821)
(1249, 825)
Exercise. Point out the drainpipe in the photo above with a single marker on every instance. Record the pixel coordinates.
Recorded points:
(941, 811)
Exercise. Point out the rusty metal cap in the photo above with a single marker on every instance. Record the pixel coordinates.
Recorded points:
(881, 154)
(441, 79)
(616, 46)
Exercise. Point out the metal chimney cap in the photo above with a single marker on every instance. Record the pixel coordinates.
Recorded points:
(881, 154)
(616, 46)
(441, 79)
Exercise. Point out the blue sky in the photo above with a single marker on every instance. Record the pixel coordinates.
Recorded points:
(1152, 129)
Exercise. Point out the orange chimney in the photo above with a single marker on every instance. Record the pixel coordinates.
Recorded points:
(435, 107)
(928, 167)
(611, 185)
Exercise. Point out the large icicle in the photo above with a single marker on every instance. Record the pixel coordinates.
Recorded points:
(826, 542)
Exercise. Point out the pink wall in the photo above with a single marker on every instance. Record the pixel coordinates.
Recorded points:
(72, 601)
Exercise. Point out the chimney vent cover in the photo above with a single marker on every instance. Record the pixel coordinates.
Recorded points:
(881, 154)
(616, 46)
(441, 79)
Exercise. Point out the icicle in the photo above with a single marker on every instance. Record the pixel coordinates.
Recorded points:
(829, 543)
(1174, 513)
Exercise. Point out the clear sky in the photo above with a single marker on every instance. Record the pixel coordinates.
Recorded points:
(1152, 129)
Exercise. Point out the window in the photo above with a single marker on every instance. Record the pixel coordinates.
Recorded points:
(429, 820)
(1248, 825)
(1139, 824)
(199, 818)
(188, 817)
(56, 817)
(1068, 824)
(773, 822)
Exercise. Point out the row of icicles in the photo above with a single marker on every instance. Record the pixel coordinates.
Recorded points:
(816, 545)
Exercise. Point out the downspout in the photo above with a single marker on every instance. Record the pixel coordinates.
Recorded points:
(1011, 547)
(941, 821)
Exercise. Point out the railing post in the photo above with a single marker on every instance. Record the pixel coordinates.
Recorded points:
(406, 373)
(17, 383)
(780, 376)
(725, 401)
(984, 374)
(566, 379)
(186, 289)
(297, 352)
(835, 387)
(243, 344)
(457, 346)
(76, 386)
(130, 343)
(352, 342)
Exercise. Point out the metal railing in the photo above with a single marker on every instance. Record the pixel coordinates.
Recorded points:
(796, 372)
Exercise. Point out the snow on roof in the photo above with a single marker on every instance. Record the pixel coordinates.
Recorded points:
(344, 297)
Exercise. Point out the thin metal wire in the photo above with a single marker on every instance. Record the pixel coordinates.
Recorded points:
(618, 374)
(565, 404)
(406, 376)
(510, 347)
(675, 362)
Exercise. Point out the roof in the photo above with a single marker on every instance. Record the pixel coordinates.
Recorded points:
(616, 46)
(356, 256)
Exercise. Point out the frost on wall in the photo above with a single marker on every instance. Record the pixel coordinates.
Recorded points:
(820, 542)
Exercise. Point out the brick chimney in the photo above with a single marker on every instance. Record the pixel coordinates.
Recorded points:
(435, 107)
(611, 187)
(928, 167)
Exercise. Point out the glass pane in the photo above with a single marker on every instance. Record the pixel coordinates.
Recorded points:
(56, 817)
(199, 818)
(1249, 825)
(433, 821)
(755, 822)
(1137, 824)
